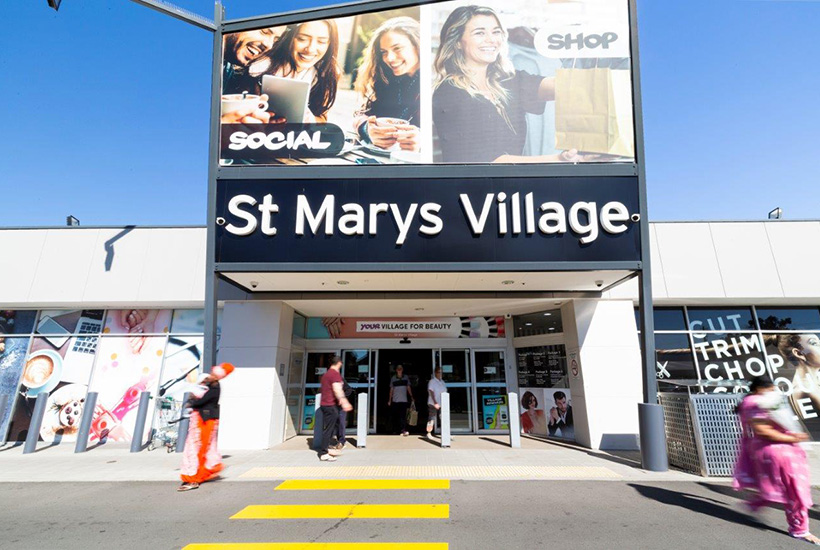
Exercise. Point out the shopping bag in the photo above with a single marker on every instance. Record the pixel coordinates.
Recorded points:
(412, 415)
(593, 111)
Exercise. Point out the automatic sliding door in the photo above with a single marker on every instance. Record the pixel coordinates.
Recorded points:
(358, 373)
(491, 391)
(456, 373)
(317, 365)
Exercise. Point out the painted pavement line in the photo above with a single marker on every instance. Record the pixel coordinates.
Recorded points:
(341, 511)
(319, 546)
(430, 472)
(362, 484)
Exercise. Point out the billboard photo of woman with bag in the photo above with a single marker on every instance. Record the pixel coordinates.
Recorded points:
(480, 100)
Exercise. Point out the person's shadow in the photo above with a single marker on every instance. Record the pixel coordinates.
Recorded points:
(728, 491)
(701, 505)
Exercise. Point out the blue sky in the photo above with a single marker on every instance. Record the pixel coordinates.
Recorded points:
(106, 109)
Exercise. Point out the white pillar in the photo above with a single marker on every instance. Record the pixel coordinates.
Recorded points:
(607, 388)
(256, 338)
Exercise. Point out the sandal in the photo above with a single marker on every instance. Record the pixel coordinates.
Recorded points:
(808, 537)
(188, 487)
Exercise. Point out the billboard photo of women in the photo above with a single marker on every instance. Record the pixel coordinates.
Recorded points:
(799, 375)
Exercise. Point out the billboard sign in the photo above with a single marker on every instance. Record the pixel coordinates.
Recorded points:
(506, 81)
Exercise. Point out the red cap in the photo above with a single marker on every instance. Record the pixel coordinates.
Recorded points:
(222, 370)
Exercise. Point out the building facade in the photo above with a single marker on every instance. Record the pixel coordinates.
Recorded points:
(118, 311)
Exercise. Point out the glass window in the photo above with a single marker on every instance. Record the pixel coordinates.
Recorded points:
(542, 366)
(299, 326)
(461, 409)
(455, 366)
(533, 324)
(188, 321)
(721, 319)
(489, 367)
(669, 318)
(143, 321)
(356, 368)
(309, 409)
(729, 356)
(493, 410)
(794, 359)
(317, 365)
(674, 357)
(796, 318)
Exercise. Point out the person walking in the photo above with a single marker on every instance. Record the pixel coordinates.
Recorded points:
(201, 460)
(398, 402)
(341, 436)
(333, 398)
(771, 463)
(435, 388)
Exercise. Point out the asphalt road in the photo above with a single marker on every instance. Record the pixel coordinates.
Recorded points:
(491, 515)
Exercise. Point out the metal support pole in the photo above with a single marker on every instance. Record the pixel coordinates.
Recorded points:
(182, 431)
(85, 422)
(4, 402)
(361, 421)
(211, 281)
(515, 426)
(445, 419)
(36, 421)
(139, 426)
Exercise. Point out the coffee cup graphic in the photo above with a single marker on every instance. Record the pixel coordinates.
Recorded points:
(41, 372)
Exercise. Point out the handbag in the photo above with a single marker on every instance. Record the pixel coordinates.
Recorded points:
(593, 111)
(412, 415)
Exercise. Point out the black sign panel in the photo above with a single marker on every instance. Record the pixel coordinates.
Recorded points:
(541, 366)
(442, 220)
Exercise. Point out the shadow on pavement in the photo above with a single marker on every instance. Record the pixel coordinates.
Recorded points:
(495, 441)
(701, 505)
(728, 491)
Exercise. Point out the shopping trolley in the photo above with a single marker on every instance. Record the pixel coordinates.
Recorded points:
(166, 424)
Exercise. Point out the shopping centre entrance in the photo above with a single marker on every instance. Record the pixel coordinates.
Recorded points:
(474, 377)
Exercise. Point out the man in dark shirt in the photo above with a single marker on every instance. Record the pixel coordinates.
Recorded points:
(561, 417)
(332, 397)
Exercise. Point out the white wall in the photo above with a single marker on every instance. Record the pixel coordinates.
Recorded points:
(256, 339)
(103, 267)
(606, 393)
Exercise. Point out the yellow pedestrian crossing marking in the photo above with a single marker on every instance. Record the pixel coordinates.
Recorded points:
(362, 484)
(430, 472)
(339, 511)
(319, 546)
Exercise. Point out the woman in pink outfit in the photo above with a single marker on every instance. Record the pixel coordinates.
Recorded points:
(771, 462)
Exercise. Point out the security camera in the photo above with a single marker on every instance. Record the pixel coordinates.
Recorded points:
(254, 284)
(221, 221)
(635, 218)
(508, 316)
(599, 283)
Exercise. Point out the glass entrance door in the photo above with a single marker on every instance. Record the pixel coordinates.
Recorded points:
(357, 370)
(456, 372)
(491, 391)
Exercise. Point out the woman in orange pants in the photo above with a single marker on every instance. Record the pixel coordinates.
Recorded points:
(201, 460)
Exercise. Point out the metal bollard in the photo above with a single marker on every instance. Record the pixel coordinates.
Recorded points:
(139, 426)
(653, 438)
(361, 421)
(445, 419)
(35, 424)
(515, 426)
(4, 402)
(85, 422)
(182, 431)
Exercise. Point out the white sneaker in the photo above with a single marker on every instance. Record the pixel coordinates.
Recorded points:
(327, 458)
(405, 434)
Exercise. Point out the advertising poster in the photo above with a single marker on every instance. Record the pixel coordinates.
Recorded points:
(309, 412)
(542, 366)
(129, 362)
(547, 412)
(494, 412)
(59, 363)
(401, 327)
(794, 361)
(12, 357)
(504, 81)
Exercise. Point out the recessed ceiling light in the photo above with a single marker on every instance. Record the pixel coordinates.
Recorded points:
(552, 328)
(342, 282)
(508, 282)
(547, 314)
(528, 324)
